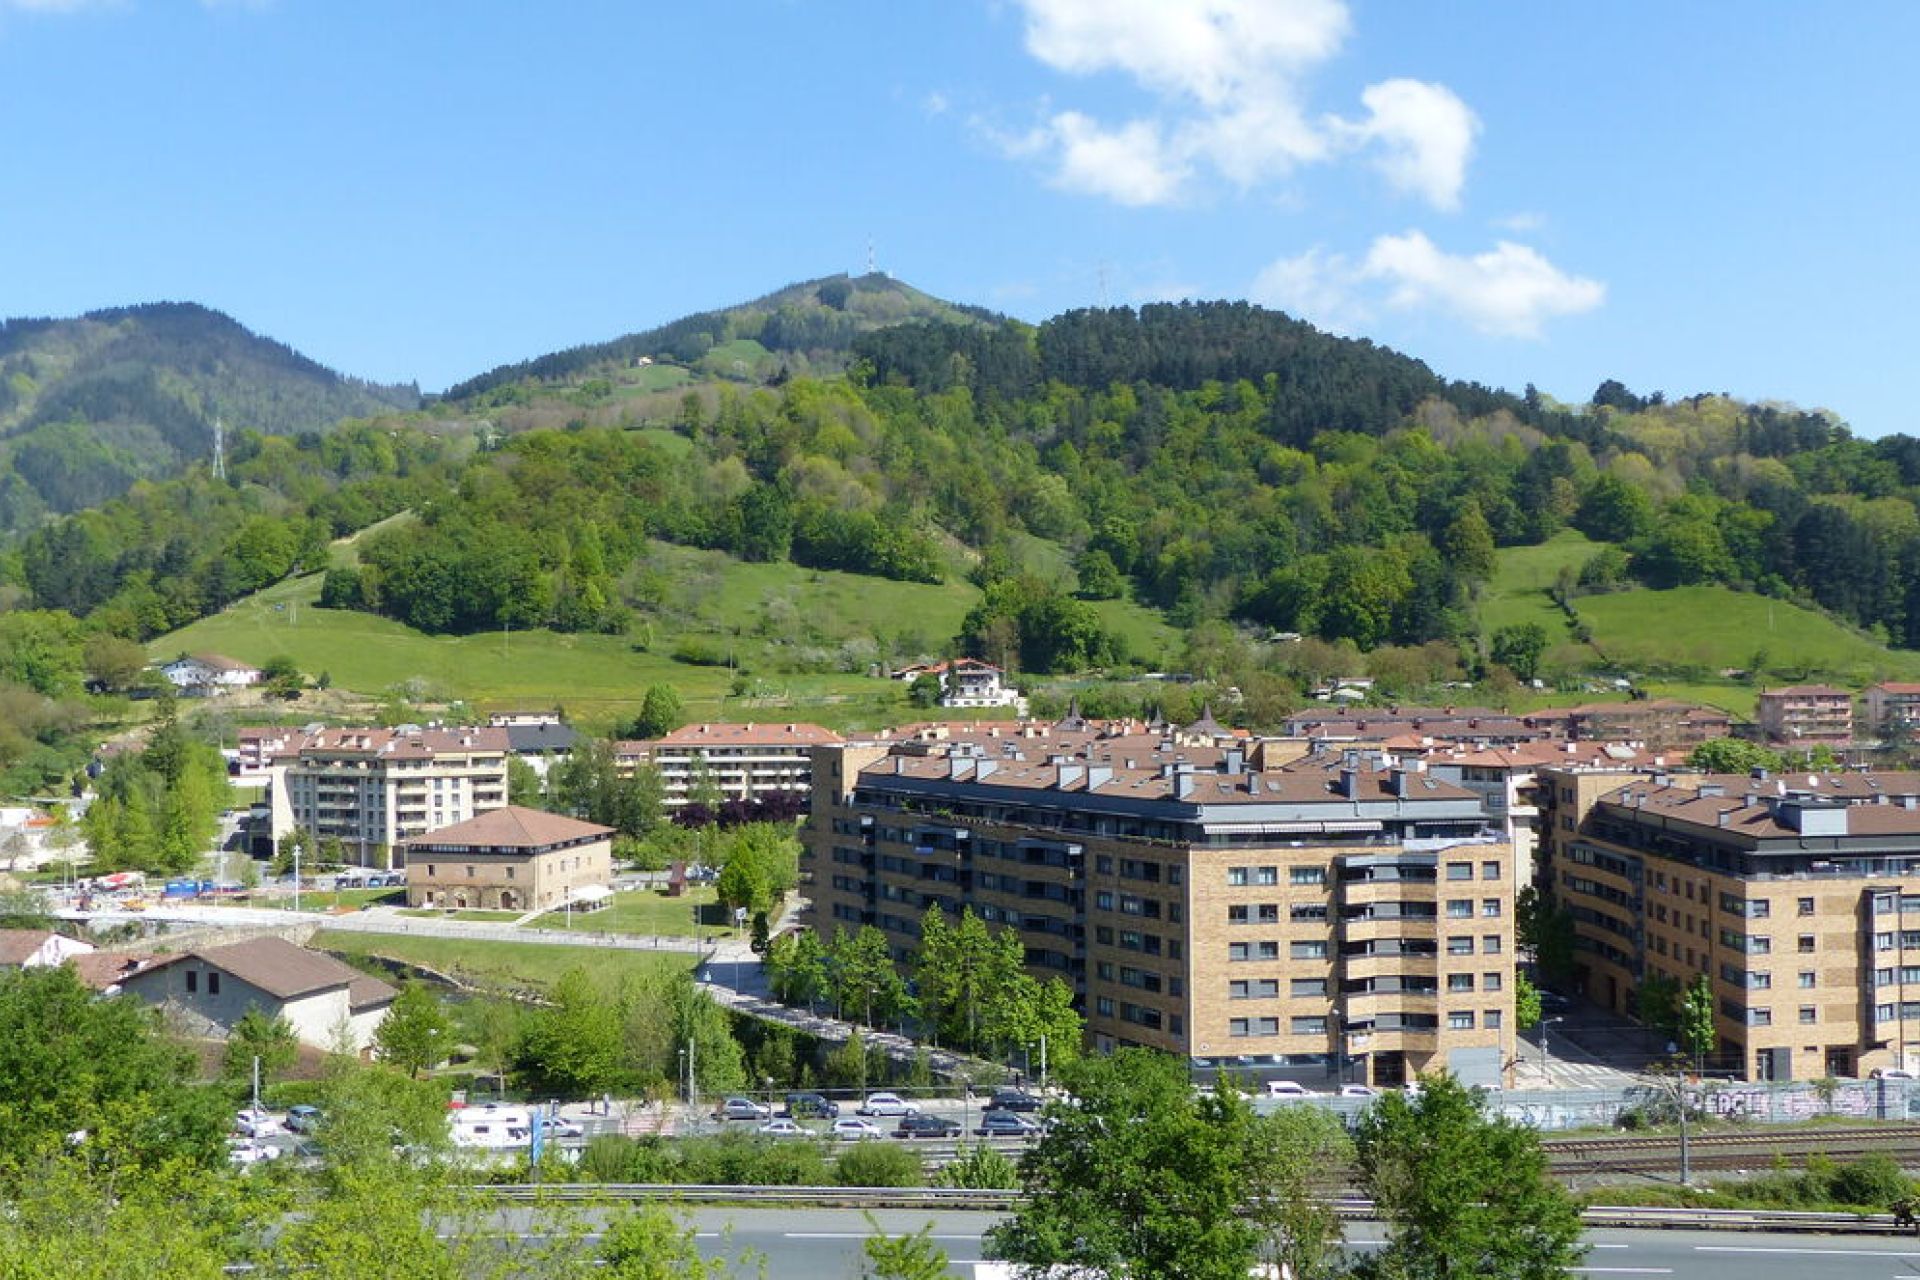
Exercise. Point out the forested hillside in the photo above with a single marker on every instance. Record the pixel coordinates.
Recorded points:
(1219, 464)
(90, 405)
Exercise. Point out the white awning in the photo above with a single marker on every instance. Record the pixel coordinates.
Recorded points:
(590, 893)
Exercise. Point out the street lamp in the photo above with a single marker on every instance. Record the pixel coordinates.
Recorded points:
(1546, 1058)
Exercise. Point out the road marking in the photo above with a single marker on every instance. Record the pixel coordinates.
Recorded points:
(1825, 1253)
(1623, 1271)
(857, 1235)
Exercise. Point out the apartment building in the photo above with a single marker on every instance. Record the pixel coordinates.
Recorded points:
(747, 762)
(1807, 715)
(1658, 724)
(1893, 709)
(372, 788)
(1789, 893)
(1337, 919)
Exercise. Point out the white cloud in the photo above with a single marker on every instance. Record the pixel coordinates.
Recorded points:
(1210, 50)
(1522, 222)
(1316, 286)
(1422, 135)
(1510, 291)
(935, 104)
(1132, 164)
(1230, 80)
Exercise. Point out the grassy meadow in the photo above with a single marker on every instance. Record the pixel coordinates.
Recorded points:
(502, 965)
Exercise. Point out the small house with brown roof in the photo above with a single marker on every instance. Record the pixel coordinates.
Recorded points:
(209, 989)
(37, 948)
(511, 859)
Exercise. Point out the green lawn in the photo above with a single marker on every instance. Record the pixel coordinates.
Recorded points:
(1518, 592)
(1711, 628)
(503, 965)
(649, 912)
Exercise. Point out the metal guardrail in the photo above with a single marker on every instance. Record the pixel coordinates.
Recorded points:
(964, 1199)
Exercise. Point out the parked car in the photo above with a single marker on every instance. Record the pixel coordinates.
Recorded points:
(887, 1104)
(854, 1129)
(1358, 1091)
(1006, 1124)
(246, 1151)
(742, 1109)
(784, 1128)
(801, 1105)
(1288, 1089)
(560, 1127)
(916, 1125)
(257, 1124)
(1015, 1100)
(1892, 1073)
(303, 1119)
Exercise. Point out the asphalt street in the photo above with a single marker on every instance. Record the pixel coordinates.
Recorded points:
(825, 1244)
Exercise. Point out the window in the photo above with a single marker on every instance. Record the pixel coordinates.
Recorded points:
(1243, 1027)
(1459, 982)
(510, 873)
(1461, 1021)
(1759, 1017)
(1307, 875)
(469, 873)
(1301, 911)
(1104, 1006)
(1308, 987)
(1459, 871)
(1268, 950)
(1809, 1013)
(1266, 875)
(1490, 870)
(430, 869)
(213, 984)
(1239, 913)
(1237, 876)
(1490, 908)
(1808, 979)
(1460, 908)
(1460, 946)
(1760, 981)
(1253, 989)
(1807, 944)
(1308, 951)
(1313, 1026)
(1491, 1019)
(1103, 901)
(1492, 981)
(1490, 944)
(1268, 913)
(1804, 907)
(193, 982)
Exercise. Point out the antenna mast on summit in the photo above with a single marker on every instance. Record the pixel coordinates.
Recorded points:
(870, 266)
(219, 450)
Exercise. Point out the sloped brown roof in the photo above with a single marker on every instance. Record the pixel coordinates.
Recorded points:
(103, 969)
(511, 828)
(16, 945)
(285, 971)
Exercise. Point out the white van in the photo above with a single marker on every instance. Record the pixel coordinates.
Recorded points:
(492, 1127)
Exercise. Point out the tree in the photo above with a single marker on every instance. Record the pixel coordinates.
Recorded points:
(797, 968)
(1142, 1177)
(1468, 544)
(648, 1243)
(1698, 1035)
(1464, 1194)
(909, 1257)
(1657, 1002)
(113, 662)
(1099, 579)
(1732, 755)
(524, 787)
(416, 1034)
(660, 713)
(281, 676)
(1545, 928)
(926, 690)
(573, 1046)
(1526, 1003)
(1519, 648)
(24, 909)
(1300, 1154)
(270, 1039)
(861, 976)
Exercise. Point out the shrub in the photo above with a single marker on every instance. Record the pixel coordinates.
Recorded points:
(879, 1164)
(981, 1168)
(1873, 1180)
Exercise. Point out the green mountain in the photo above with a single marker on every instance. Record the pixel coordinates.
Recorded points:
(804, 328)
(91, 404)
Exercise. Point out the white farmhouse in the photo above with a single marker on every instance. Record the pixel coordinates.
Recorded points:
(209, 989)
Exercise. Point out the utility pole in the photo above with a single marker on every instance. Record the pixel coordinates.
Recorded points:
(296, 877)
(1043, 1064)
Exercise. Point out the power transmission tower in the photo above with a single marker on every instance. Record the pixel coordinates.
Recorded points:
(219, 450)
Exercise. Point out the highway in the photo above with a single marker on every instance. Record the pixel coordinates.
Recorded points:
(824, 1244)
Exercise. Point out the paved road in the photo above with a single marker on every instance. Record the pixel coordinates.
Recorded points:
(824, 1244)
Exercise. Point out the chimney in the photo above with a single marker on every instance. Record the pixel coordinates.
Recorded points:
(1098, 775)
(1236, 760)
(985, 769)
(1350, 783)
(1182, 785)
(1067, 775)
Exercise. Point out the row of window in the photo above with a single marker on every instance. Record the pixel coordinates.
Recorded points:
(1316, 1025)
(1239, 876)
(1317, 949)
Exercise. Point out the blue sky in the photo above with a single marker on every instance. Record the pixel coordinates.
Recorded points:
(1708, 197)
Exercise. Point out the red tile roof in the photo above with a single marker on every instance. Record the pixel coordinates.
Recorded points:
(511, 828)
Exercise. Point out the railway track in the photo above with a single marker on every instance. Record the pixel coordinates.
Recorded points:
(1720, 1150)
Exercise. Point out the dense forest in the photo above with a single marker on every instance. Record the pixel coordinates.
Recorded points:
(90, 405)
